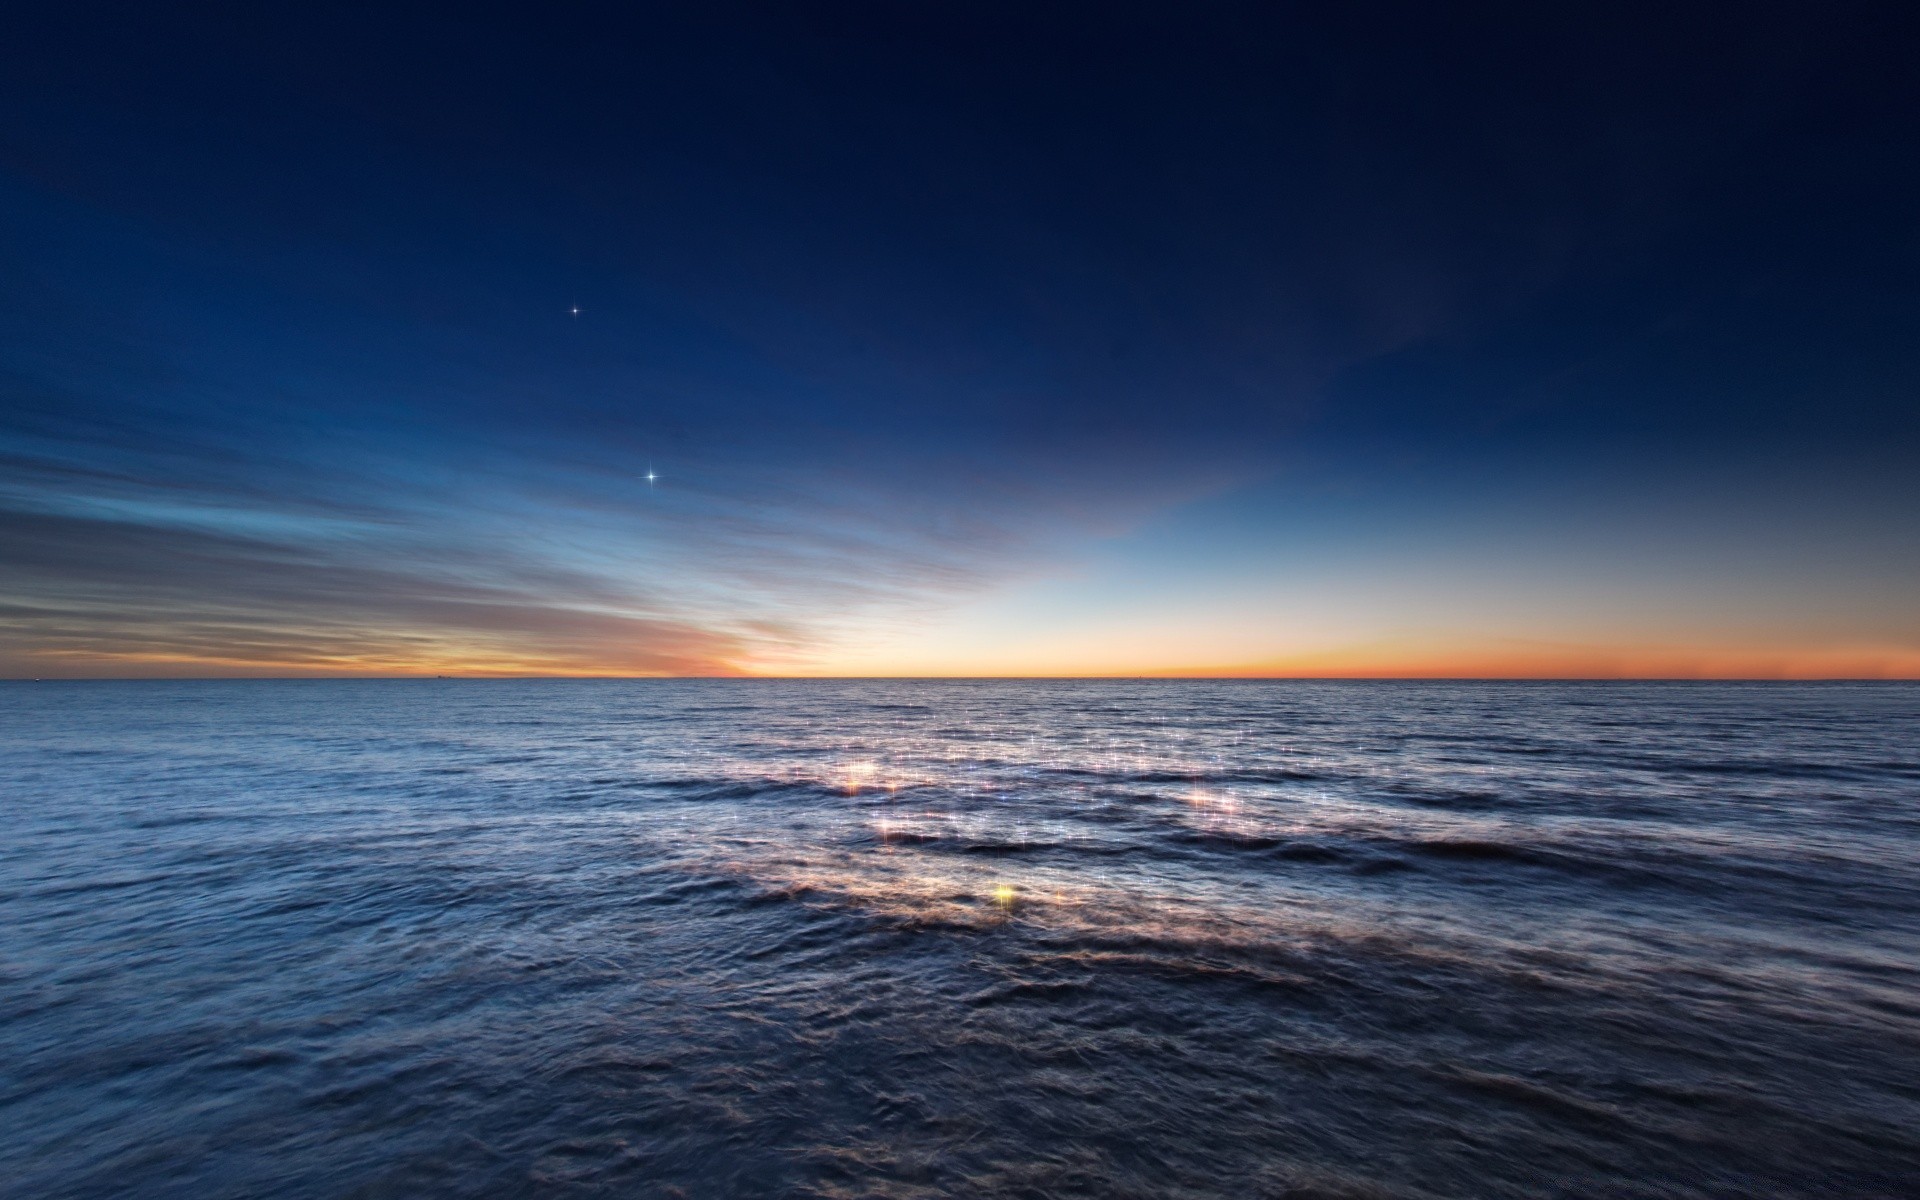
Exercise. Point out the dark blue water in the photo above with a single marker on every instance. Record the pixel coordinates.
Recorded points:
(905, 939)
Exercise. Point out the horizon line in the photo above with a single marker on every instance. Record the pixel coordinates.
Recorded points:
(1089, 678)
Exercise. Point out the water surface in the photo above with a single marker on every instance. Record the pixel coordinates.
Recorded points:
(921, 939)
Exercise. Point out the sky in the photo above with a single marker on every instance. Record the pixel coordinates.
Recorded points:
(960, 339)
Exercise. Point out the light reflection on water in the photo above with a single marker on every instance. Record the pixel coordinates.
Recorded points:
(917, 939)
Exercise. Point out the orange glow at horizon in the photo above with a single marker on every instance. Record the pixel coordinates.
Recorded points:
(1483, 660)
(1597, 664)
(1385, 659)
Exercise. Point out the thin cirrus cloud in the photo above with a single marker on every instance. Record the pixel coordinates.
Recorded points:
(147, 539)
(172, 507)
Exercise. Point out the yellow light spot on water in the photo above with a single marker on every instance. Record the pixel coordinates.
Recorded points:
(1004, 895)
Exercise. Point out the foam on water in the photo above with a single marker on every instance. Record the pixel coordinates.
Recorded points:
(916, 939)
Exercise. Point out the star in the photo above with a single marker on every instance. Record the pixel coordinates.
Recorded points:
(650, 475)
(575, 310)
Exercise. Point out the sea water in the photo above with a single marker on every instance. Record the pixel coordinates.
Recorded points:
(972, 939)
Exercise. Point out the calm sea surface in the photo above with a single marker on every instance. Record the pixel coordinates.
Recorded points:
(918, 939)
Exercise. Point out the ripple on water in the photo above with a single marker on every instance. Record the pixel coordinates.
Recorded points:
(910, 939)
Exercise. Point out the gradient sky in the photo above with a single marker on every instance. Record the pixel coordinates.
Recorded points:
(962, 339)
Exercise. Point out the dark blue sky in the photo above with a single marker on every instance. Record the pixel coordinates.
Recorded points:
(961, 338)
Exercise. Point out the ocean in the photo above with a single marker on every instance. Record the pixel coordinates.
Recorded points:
(913, 939)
